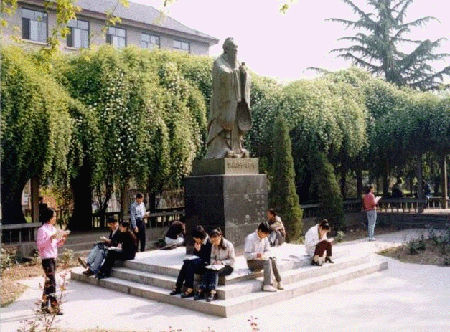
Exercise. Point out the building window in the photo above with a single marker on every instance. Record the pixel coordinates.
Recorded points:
(117, 37)
(179, 45)
(149, 41)
(79, 34)
(34, 25)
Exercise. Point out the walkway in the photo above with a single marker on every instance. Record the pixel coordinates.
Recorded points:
(406, 297)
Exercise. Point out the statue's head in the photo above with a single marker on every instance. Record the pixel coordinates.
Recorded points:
(229, 46)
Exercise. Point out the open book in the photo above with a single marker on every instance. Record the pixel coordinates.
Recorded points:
(215, 267)
(114, 248)
(60, 233)
(377, 199)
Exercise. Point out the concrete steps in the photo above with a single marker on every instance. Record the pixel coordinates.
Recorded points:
(242, 290)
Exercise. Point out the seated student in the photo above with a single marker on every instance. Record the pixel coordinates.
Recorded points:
(175, 234)
(99, 251)
(222, 263)
(278, 234)
(127, 245)
(317, 244)
(257, 253)
(202, 249)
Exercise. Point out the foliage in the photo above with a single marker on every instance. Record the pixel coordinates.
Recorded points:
(36, 128)
(144, 120)
(376, 46)
(330, 198)
(282, 195)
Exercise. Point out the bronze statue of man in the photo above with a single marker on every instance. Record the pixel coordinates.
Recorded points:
(229, 117)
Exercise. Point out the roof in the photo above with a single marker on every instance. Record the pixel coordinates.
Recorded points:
(142, 14)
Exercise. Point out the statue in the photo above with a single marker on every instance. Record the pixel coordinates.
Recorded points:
(229, 117)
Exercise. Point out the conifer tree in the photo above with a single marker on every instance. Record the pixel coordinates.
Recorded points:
(283, 196)
(376, 46)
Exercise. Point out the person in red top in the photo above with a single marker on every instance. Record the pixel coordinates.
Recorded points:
(370, 206)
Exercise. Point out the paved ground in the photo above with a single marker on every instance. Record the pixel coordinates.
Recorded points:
(406, 297)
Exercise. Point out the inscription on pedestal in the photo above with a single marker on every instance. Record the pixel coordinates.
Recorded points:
(226, 166)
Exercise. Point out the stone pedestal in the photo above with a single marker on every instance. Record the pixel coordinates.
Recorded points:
(226, 193)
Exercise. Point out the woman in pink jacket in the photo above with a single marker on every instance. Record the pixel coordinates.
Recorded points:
(48, 239)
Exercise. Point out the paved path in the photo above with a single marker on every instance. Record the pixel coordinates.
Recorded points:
(406, 297)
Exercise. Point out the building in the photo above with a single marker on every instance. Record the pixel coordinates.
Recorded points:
(141, 25)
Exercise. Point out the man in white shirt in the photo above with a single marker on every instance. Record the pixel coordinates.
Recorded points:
(258, 256)
(137, 222)
(317, 243)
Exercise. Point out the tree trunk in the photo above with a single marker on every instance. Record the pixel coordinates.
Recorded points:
(359, 184)
(12, 212)
(124, 200)
(444, 203)
(385, 181)
(420, 195)
(82, 195)
(344, 183)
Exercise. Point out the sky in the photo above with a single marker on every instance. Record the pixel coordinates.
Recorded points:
(283, 46)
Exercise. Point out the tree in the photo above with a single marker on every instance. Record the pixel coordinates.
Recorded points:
(282, 195)
(378, 49)
(36, 128)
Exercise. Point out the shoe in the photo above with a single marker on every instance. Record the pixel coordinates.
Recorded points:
(371, 239)
(211, 297)
(57, 312)
(199, 296)
(176, 291)
(88, 273)
(316, 263)
(269, 288)
(44, 310)
(329, 260)
(82, 263)
(100, 276)
(187, 294)
(280, 285)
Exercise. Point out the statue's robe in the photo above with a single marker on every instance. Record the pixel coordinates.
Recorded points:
(229, 117)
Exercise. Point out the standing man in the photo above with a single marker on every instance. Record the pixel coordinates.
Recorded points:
(370, 206)
(48, 239)
(137, 214)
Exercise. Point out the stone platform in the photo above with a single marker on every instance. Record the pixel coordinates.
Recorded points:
(153, 274)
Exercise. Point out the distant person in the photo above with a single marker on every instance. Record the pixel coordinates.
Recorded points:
(100, 250)
(195, 265)
(222, 263)
(396, 191)
(258, 256)
(137, 215)
(426, 192)
(126, 250)
(317, 245)
(175, 234)
(42, 207)
(48, 240)
(278, 234)
(370, 206)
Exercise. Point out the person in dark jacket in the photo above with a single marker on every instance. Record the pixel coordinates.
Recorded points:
(99, 251)
(222, 262)
(126, 250)
(202, 249)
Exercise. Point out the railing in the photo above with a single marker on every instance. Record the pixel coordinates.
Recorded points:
(18, 233)
(159, 218)
(385, 205)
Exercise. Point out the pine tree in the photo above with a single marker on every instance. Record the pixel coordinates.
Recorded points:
(283, 196)
(377, 50)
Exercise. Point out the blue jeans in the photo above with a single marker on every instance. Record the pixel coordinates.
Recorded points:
(371, 221)
(96, 257)
(211, 277)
